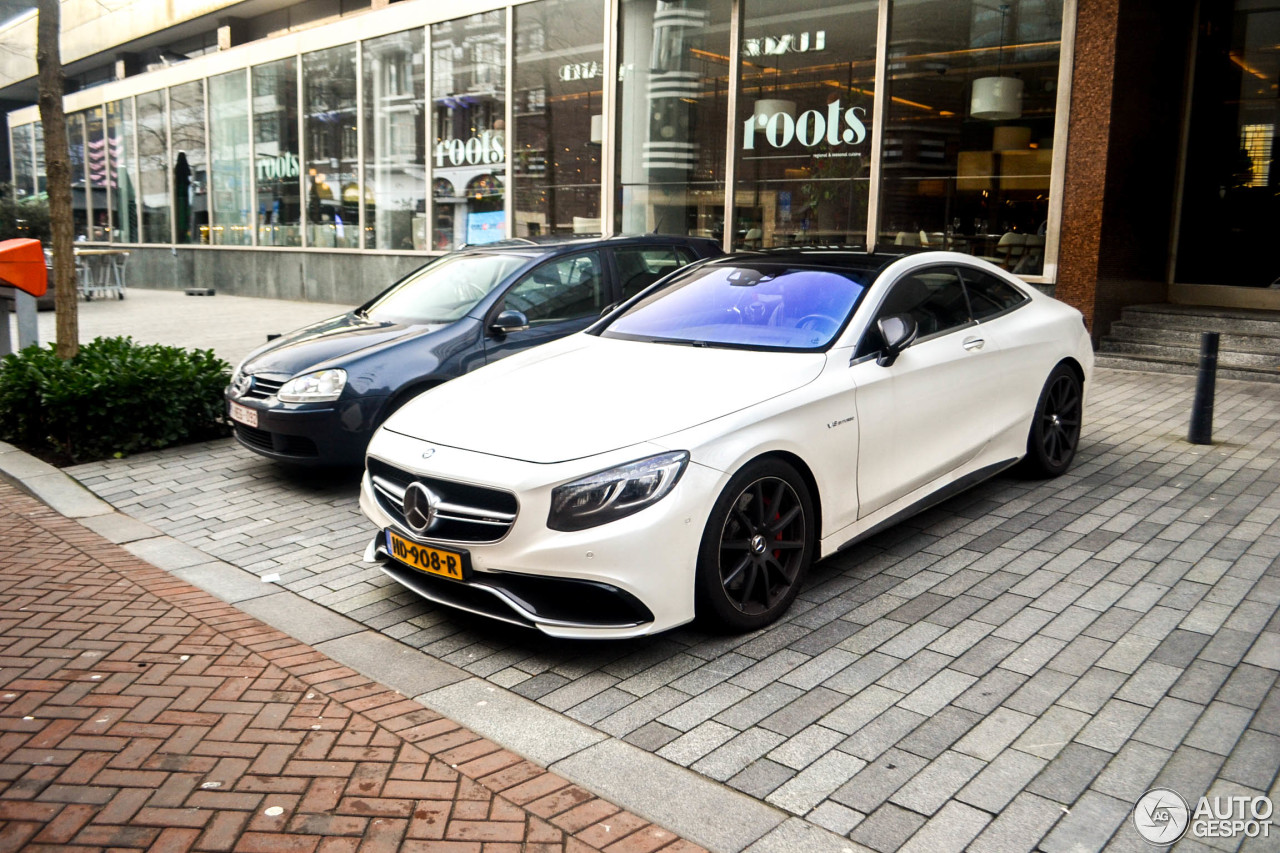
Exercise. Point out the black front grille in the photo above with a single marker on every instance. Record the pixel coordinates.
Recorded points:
(466, 513)
(289, 445)
(262, 388)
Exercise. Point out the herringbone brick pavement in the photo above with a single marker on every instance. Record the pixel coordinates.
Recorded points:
(140, 713)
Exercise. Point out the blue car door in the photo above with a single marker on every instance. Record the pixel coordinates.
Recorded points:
(562, 296)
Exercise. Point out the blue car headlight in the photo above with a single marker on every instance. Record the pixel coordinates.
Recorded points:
(615, 493)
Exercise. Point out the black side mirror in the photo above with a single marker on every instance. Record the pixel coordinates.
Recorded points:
(898, 331)
(509, 321)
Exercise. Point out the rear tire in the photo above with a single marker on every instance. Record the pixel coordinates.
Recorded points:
(1055, 429)
(756, 549)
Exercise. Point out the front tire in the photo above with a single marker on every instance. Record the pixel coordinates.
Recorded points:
(756, 549)
(1055, 429)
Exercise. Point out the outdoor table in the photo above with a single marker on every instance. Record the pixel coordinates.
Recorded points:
(101, 272)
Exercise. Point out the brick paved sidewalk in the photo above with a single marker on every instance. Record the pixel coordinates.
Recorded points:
(138, 712)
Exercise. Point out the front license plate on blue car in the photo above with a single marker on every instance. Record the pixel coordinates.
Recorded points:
(432, 561)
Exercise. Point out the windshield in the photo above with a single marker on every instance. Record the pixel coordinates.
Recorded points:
(444, 291)
(759, 307)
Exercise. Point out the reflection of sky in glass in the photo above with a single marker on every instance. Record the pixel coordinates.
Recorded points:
(769, 307)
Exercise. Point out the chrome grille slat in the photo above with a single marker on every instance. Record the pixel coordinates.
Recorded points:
(483, 515)
(263, 388)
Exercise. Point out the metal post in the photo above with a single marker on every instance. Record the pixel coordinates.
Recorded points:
(1201, 431)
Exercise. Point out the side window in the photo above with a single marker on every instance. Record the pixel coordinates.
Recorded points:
(563, 289)
(638, 268)
(989, 295)
(934, 297)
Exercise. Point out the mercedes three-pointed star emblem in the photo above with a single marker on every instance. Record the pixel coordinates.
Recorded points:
(419, 507)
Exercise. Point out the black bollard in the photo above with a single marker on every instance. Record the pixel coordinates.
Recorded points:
(1201, 431)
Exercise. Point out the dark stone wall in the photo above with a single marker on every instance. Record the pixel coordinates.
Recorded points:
(345, 278)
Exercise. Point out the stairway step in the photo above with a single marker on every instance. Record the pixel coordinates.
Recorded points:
(1263, 344)
(1191, 355)
(1234, 321)
(1151, 364)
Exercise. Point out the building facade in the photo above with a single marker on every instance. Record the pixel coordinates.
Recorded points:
(1110, 151)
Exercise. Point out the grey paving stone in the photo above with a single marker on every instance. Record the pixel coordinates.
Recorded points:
(733, 756)
(1019, 827)
(1040, 692)
(1200, 682)
(805, 747)
(1052, 731)
(641, 711)
(1228, 647)
(652, 736)
(866, 670)
(1149, 683)
(1218, 728)
(816, 782)
(1070, 773)
(812, 673)
(1001, 780)
(861, 709)
(1091, 823)
(702, 707)
(758, 705)
(939, 732)
(1111, 727)
(914, 672)
(887, 828)
(929, 789)
(697, 742)
(984, 655)
(876, 782)
(796, 834)
(1248, 686)
(949, 831)
(990, 690)
(880, 734)
(803, 711)
(1130, 773)
(761, 777)
(1255, 761)
(994, 734)
(934, 695)
(836, 818)
(1190, 772)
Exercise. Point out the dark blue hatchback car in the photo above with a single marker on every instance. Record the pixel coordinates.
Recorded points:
(315, 396)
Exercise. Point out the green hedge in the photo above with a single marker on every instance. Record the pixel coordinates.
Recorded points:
(116, 397)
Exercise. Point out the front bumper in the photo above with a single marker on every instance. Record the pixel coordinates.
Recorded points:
(334, 433)
(627, 578)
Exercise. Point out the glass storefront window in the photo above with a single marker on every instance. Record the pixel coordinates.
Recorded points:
(332, 191)
(122, 179)
(153, 171)
(190, 164)
(558, 115)
(80, 195)
(275, 152)
(805, 116)
(673, 92)
(468, 97)
(395, 142)
(95, 133)
(42, 179)
(24, 167)
(230, 201)
(968, 139)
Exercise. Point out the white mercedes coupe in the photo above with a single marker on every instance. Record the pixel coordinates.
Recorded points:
(697, 449)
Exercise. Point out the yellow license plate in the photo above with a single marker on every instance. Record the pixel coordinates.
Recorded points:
(424, 558)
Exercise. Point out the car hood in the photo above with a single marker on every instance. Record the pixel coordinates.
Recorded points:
(586, 395)
(322, 342)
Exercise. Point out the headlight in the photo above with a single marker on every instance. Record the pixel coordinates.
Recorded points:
(616, 493)
(318, 387)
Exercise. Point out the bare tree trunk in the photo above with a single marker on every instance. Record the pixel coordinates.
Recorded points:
(57, 160)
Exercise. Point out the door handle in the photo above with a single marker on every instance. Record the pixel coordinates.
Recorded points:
(973, 343)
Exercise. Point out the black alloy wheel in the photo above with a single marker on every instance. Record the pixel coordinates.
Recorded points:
(757, 547)
(1055, 432)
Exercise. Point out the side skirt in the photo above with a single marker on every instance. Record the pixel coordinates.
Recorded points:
(950, 490)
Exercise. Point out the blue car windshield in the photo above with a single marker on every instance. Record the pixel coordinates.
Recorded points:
(762, 306)
(444, 291)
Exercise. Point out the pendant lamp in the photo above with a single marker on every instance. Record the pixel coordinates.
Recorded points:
(997, 98)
